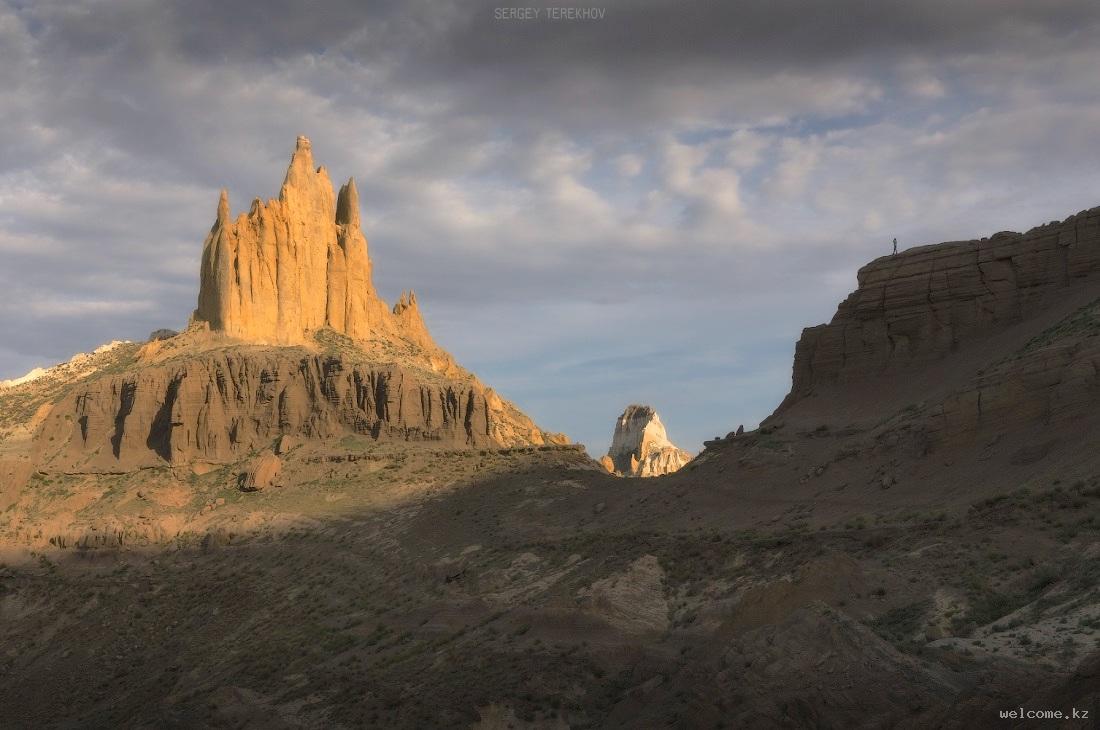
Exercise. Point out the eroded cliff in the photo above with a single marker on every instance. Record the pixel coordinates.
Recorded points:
(952, 342)
(221, 405)
(924, 303)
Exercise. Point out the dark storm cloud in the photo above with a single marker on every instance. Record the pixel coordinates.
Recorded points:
(695, 180)
(756, 34)
(450, 38)
(650, 56)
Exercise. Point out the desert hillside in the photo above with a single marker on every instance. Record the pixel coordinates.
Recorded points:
(205, 531)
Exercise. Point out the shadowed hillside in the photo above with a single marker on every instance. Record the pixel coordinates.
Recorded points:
(911, 540)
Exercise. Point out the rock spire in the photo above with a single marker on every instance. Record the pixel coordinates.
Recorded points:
(294, 265)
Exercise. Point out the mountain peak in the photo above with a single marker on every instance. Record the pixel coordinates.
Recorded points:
(295, 265)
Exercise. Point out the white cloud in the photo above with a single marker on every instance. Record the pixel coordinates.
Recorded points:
(798, 159)
(52, 308)
(745, 148)
(629, 165)
(927, 87)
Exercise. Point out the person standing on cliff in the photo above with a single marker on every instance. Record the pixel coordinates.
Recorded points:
(895, 247)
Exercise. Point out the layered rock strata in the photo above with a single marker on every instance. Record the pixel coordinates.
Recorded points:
(1054, 378)
(640, 446)
(961, 343)
(921, 304)
(222, 405)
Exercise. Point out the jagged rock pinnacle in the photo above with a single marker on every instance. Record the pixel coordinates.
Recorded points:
(407, 313)
(407, 300)
(223, 206)
(347, 204)
(295, 265)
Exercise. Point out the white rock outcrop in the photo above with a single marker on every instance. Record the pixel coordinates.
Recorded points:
(640, 446)
(79, 365)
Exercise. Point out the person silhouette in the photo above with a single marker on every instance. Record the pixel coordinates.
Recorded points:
(895, 247)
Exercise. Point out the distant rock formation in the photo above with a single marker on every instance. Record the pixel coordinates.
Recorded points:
(640, 446)
(294, 265)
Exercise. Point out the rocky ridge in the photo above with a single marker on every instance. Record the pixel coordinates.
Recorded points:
(289, 339)
(959, 341)
(219, 406)
(79, 365)
(929, 301)
(640, 446)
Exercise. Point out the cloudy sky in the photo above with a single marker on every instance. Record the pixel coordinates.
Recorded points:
(644, 207)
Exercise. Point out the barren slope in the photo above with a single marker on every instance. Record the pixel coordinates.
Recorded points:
(910, 541)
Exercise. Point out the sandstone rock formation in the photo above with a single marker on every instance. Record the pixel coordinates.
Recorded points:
(289, 340)
(294, 265)
(922, 303)
(263, 473)
(220, 405)
(965, 338)
(640, 446)
(410, 323)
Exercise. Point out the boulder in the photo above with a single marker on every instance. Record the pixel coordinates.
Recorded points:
(607, 463)
(262, 473)
(285, 444)
(161, 334)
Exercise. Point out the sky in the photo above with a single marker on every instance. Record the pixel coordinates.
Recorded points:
(645, 206)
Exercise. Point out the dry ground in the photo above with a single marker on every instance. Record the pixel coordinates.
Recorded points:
(397, 587)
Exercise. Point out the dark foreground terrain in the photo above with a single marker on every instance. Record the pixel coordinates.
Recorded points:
(536, 591)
